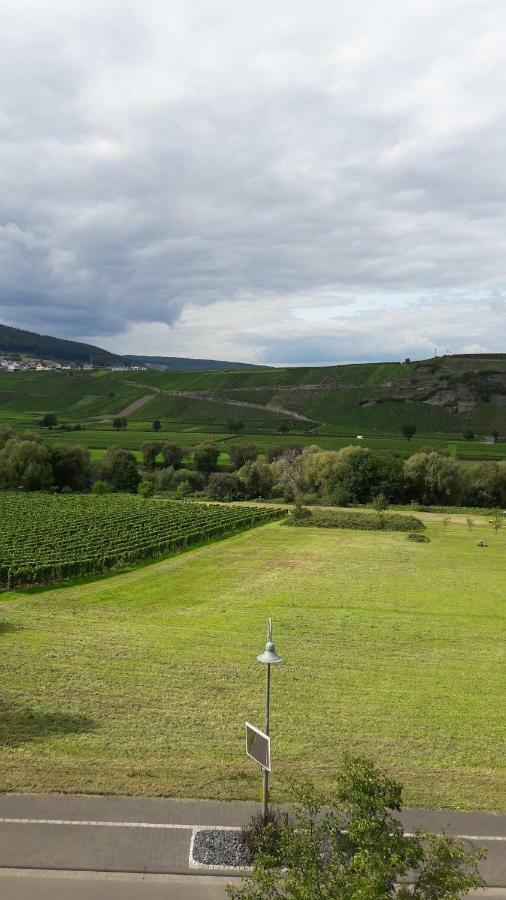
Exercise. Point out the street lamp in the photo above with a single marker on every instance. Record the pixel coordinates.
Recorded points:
(268, 658)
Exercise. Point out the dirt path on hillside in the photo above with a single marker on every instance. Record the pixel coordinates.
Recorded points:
(128, 410)
(196, 395)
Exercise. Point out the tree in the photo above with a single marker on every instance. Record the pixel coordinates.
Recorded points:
(257, 479)
(150, 451)
(205, 456)
(120, 423)
(71, 467)
(225, 486)
(432, 478)
(48, 421)
(283, 428)
(495, 435)
(157, 425)
(408, 431)
(468, 434)
(241, 453)
(119, 469)
(25, 463)
(236, 426)
(172, 455)
(360, 852)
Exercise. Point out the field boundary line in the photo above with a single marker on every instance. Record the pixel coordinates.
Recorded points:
(169, 826)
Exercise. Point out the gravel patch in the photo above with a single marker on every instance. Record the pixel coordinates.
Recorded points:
(219, 848)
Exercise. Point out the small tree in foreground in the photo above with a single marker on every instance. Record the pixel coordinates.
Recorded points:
(361, 852)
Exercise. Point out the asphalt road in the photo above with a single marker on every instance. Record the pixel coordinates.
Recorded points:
(63, 846)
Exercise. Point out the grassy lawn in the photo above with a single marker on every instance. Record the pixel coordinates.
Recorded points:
(140, 683)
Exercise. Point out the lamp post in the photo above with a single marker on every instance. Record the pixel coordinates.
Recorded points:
(268, 658)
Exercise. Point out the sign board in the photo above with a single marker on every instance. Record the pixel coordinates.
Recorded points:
(258, 746)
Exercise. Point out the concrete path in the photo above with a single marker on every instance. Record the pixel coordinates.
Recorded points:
(44, 885)
(152, 835)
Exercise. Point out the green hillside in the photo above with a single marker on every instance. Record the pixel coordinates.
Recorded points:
(443, 398)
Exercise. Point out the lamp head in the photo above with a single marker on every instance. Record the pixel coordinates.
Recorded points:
(269, 656)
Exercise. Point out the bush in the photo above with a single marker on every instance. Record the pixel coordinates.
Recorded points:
(194, 479)
(146, 489)
(263, 833)
(300, 515)
(330, 518)
(101, 487)
(419, 538)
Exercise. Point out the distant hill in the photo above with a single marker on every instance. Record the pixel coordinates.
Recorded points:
(42, 346)
(185, 364)
(15, 341)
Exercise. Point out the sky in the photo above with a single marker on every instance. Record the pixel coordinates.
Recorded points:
(272, 182)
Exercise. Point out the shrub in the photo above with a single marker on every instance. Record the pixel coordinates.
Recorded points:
(146, 489)
(101, 487)
(263, 833)
(333, 518)
(419, 538)
(300, 515)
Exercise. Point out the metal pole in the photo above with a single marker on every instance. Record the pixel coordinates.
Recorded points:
(267, 727)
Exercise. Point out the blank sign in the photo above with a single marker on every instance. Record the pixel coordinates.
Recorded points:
(258, 746)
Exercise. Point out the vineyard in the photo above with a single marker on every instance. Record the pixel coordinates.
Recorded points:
(47, 538)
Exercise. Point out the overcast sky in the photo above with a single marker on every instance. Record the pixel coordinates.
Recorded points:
(281, 182)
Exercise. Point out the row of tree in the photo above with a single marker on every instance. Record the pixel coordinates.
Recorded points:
(26, 463)
(310, 475)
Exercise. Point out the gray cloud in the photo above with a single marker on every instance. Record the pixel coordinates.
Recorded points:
(183, 178)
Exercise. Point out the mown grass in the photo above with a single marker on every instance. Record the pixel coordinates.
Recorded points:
(141, 683)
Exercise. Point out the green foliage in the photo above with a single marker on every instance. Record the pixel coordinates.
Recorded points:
(101, 487)
(337, 518)
(432, 478)
(418, 538)
(48, 537)
(71, 467)
(360, 852)
(225, 486)
(241, 453)
(119, 469)
(172, 455)
(263, 834)
(157, 425)
(146, 489)
(150, 451)
(235, 426)
(299, 515)
(257, 479)
(119, 423)
(24, 464)
(408, 431)
(205, 456)
(48, 421)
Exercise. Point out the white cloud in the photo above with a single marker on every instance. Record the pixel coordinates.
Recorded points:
(281, 181)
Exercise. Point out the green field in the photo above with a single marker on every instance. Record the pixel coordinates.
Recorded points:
(140, 683)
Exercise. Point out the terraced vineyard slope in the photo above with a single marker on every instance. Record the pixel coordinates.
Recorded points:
(47, 538)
